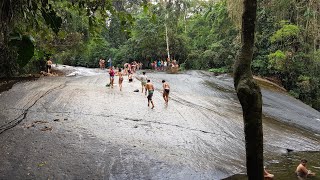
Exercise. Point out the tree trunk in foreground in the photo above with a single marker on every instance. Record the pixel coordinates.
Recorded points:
(249, 94)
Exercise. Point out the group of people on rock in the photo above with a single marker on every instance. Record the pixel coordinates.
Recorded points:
(132, 67)
(146, 85)
(164, 65)
(159, 65)
(301, 172)
(102, 64)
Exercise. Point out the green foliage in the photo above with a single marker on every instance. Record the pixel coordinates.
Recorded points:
(182, 67)
(25, 48)
(213, 38)
(91, 52)
(287, 32)
(219, 70)
(294, 94)
(194, 60)
(316, 57)
(277, 60)
(52, 19)
(7, 61)
(260, 65)
(304, 83)
(96, 49)
(264, 30)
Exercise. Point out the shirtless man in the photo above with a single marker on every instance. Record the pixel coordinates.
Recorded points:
(130, 77)
(125, 66)
(103, 64)
(166, 90)
(302, 172)
(150, 88)
(143, 79)
(100, 63)
(49, 64)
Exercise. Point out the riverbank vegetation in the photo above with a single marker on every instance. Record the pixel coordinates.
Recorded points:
(201, 35)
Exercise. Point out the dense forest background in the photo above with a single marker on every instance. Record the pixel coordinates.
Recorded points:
(202, 35)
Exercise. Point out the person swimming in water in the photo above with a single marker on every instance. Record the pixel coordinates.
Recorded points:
(302, 172)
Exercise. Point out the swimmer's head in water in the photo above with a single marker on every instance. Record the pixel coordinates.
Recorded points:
(143, 73)
(163, 81)
(148, 80)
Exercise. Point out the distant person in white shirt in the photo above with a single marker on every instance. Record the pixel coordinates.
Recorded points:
(143, 79)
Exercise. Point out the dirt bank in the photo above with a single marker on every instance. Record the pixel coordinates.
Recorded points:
(8, 82)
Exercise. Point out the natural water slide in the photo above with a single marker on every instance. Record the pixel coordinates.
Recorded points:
(77, 128)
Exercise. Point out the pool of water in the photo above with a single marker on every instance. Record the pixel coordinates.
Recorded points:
(284, 165)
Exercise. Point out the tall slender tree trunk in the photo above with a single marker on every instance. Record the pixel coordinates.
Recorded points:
(249, 95)
(165, 4)
(167, 41)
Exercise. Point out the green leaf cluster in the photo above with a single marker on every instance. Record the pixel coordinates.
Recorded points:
(286, 32)
(25, 48)
(277, 60)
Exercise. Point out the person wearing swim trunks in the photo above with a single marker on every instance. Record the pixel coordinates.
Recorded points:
(302, 172)
(49, 64)
(100, 63)
(111, 73)
(143, 79)
(130, 77)
(166, 90)
(103, 64)
(150, 88)
(120, 78)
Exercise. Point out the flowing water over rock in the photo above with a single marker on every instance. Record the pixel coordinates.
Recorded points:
(90, 131)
